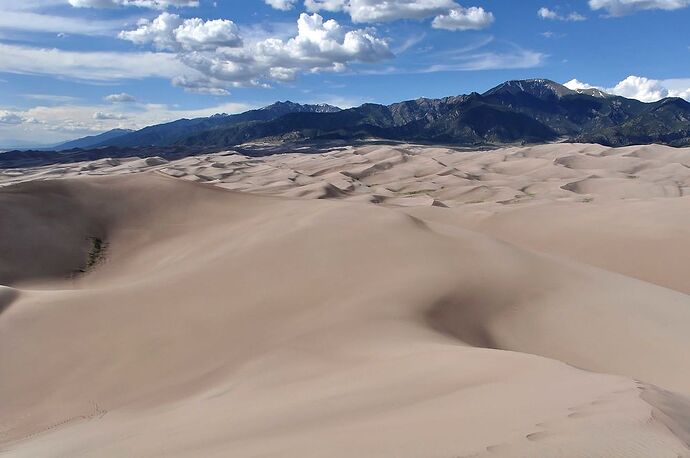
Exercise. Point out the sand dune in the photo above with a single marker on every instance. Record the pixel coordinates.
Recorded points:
(454, 177)
(476, 308)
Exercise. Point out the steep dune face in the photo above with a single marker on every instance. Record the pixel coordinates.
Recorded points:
(219, 323)
(7, 296)
(45, 231)
(647, 239)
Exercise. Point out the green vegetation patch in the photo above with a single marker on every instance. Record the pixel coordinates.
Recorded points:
(96, 254)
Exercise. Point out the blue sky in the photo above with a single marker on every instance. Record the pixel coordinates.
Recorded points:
(70, 68)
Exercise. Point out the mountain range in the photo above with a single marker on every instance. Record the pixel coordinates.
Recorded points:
(176, 132)
(520, 111)
(93, 140)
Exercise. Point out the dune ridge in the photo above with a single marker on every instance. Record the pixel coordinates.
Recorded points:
(225, 323)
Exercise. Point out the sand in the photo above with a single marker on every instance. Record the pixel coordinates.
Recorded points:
(371, 300)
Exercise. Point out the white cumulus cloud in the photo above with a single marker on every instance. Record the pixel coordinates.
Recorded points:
(646, 89)
(170, 32)
(196, 33)
(548, 14)
(160, 32)
(122, 97)
(283, 5)
(102, 115)
(8, 117)
(623, 7)
(378, 11)
(447, 14)
(641, 88)
(224, 60)
(207, 56)
(473, 18)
